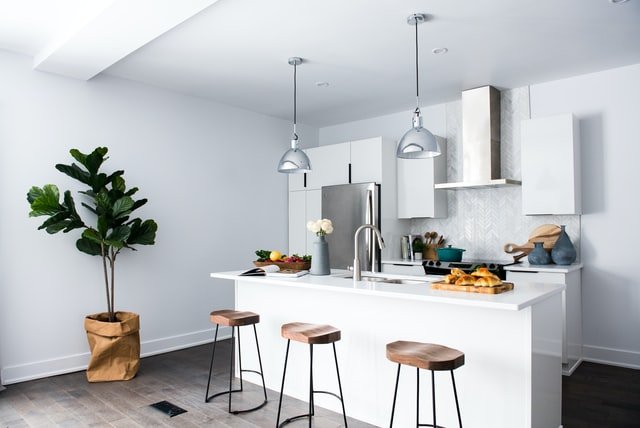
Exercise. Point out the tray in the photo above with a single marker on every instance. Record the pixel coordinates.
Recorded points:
(441, 285)
(285, 265)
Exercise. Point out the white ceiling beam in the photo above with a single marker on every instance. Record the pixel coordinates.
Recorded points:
(120, 29)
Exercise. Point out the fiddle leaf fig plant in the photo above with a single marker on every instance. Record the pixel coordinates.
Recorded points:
(110, 205)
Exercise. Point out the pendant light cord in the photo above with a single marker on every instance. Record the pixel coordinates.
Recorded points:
(417, 80)
(295, 97)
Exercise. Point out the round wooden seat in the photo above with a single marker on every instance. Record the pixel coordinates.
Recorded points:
(231, 318)
(426, 356)
(312, 334)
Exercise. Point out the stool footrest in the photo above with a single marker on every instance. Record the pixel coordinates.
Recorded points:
(235, 412)
(294, 418)
(430, 425)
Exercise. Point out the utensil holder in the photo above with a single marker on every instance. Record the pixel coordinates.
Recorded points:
(429, 252)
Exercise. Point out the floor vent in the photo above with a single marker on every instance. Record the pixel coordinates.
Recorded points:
(168, 408)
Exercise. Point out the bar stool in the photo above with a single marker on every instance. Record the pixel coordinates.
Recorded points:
(425, 356)
(312, 334)
(235, 319)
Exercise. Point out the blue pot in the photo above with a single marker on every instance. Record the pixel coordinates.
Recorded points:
(539, 256)
(563, 252)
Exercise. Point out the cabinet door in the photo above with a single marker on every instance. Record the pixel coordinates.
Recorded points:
(417, 196)
(296, 181)
(366, 160)
(297, 222)
(329, 165)
(314, 212)
(550, 153)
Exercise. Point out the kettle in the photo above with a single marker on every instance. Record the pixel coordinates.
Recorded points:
(405, 247)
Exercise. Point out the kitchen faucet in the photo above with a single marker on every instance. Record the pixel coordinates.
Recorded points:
(357, 276)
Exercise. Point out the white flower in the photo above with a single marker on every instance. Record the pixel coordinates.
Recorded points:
(320, 227)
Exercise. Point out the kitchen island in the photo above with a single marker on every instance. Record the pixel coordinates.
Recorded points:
(512, 344)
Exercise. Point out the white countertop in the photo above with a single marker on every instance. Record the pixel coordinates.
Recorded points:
(519, 298)
(550, 268)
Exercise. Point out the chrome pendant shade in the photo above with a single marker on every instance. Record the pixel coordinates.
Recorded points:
(418, 142)
(294, 160)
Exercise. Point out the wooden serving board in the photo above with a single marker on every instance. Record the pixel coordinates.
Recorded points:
(441, 285)
(547, 234)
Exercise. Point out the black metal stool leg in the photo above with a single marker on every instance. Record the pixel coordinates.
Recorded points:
(311, 406)
(284, 373)
(233, 344)
(433, 397)
(215, 339)
(344, 413)
(395, 394)
(417, 398)
(240, 361)
(455, 394)
(264, 387)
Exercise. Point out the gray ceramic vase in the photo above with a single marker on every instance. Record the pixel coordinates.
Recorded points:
(563, 252)
(539, 256)
(320, 257)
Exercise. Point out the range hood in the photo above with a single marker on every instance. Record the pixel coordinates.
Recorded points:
(480, 141)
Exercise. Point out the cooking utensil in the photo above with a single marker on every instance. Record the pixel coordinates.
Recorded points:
(440, 241)
(427, 236)
(433, 237)
(547, 234)
(450, 254)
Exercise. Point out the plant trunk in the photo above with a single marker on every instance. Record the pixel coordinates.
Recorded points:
(106, 282)
(112, 262)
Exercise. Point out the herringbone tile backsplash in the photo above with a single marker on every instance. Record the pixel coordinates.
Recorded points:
(483, 220)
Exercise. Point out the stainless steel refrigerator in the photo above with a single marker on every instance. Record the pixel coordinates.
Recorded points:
(349, 206)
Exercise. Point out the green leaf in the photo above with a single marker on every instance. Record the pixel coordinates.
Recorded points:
(89, 247)
(103, 202)
(142, 233)
(74, 171)
(138, 204)
(94, 160)
(103, 227)
(117, 182)
(122, 207)
(119, 234)
(92, 235)
(44, 201)
(61, 217)
(57, 227)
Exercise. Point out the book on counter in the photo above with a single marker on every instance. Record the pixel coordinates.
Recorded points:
(274, 271)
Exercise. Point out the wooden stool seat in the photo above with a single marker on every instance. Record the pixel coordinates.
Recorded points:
(426, 356)
(312, 334)
(231, 318)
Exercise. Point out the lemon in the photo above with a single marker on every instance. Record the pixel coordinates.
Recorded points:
(275, 256)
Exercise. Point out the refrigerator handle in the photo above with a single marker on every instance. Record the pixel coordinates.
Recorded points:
(372, 261)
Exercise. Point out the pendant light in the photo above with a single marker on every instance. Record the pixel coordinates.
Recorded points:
(418, 142)
(294, 160)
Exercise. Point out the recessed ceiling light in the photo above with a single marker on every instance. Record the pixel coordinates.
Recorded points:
(438, 51)
(322, 84)
(618, 1)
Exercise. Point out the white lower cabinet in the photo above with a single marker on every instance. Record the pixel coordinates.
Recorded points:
(571, 307)
(304, 205)
(403, 268)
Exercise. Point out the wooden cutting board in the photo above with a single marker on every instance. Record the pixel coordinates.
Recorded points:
(441, 285)
(547, 234)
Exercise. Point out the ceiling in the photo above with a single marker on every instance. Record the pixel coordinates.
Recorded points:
(235, 51)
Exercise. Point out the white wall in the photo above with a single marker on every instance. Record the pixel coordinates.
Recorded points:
(208, 170)
(606, 104)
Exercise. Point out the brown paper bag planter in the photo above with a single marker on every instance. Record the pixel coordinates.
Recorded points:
(115, 346)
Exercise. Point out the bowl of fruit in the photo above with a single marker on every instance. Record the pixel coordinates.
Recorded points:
(274, 257)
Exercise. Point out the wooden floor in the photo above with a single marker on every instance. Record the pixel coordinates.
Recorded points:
(594, 396)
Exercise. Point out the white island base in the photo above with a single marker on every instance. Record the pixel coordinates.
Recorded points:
(512, 345)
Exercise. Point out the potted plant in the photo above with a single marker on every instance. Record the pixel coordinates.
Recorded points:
(114, 338)
(418, 247)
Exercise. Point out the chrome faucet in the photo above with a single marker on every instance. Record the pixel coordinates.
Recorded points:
(357, 276)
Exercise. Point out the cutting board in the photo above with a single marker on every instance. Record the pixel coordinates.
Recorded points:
(547, 234)
(505, 286)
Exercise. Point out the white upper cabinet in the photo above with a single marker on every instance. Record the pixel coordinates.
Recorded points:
(366, 160)
(417, 196)
(329, 166)
(551, 166)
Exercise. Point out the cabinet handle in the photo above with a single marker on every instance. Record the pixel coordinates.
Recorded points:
(305, 180)
(522, 271)
(399, 264)
(349, 173)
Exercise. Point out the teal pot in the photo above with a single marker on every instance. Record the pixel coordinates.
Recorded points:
(450, 254)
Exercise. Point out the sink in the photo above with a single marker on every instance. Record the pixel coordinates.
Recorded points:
(387, 280)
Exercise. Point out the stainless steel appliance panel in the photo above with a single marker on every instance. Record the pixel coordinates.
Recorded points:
(349, 206)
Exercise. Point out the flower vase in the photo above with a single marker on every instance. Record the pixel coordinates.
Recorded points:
(320, 257)
(539, 256)
(563, 252)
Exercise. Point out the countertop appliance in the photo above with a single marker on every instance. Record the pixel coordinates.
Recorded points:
(437, 267)
(349, 206)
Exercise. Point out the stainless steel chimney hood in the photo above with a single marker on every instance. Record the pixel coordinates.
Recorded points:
(480, 141)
